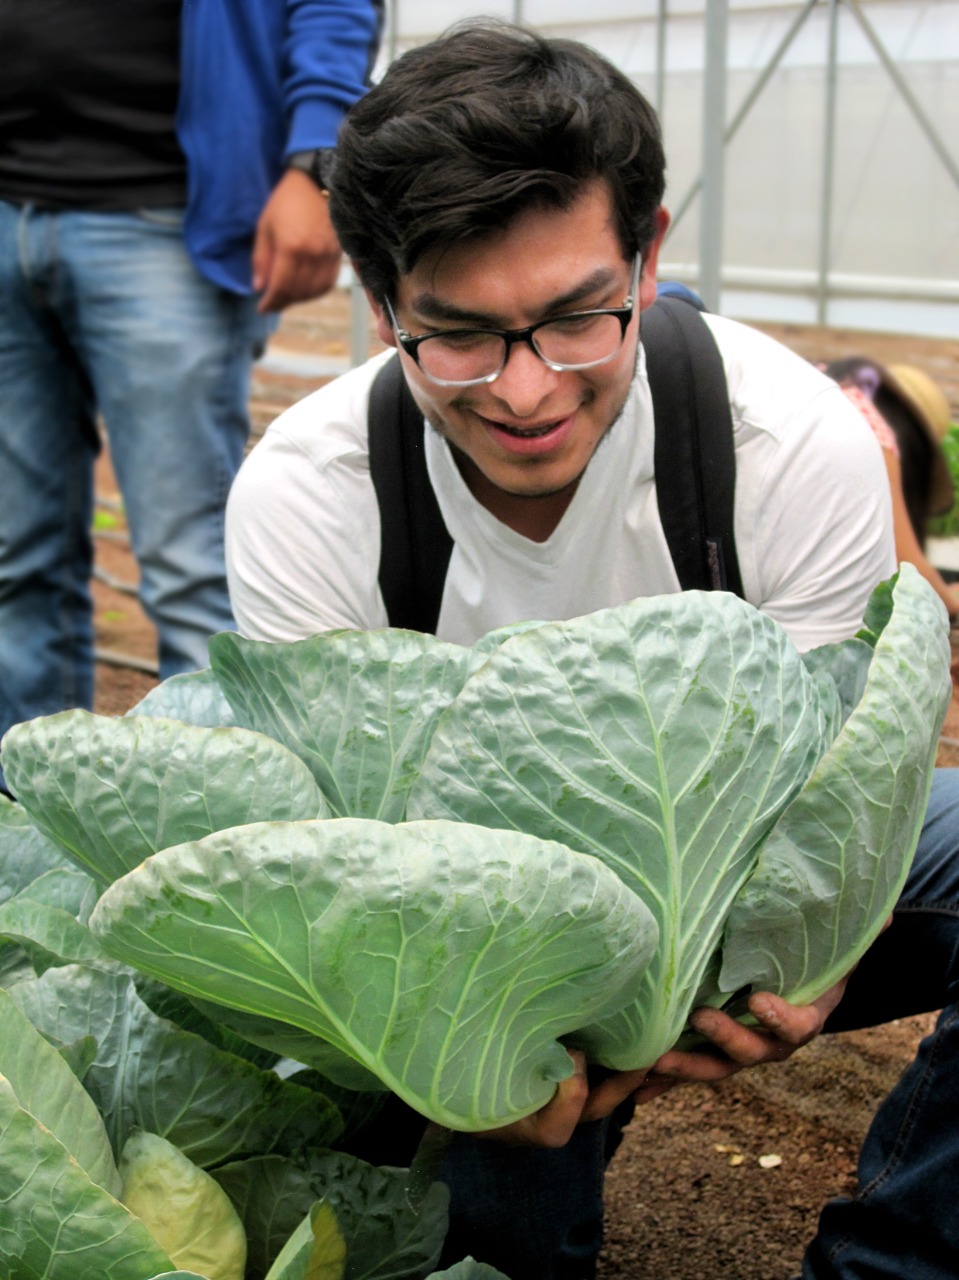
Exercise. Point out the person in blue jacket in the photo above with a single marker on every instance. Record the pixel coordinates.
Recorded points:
(159, 196)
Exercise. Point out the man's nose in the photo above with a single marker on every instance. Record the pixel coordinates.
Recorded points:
(524, 382)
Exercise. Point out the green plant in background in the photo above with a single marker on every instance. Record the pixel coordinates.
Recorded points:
(947, 526)
(415, 866)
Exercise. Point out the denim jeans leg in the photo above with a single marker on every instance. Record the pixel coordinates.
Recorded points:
(48, 443)
(531, 1211)
(169, 355)
(903, 1220)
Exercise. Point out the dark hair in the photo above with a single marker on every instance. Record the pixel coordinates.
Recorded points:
(466, 132)
(915, 447)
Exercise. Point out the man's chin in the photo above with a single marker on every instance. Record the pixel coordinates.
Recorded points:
(522, 484)
(547, 491)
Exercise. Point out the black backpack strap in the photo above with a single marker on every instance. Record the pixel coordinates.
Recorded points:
(415, 545)
(694, 458)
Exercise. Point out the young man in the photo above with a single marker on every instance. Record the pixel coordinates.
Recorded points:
(499, 195)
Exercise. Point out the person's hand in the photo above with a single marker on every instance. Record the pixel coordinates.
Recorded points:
(296, 254)
(780, 1030)
(552, 1125)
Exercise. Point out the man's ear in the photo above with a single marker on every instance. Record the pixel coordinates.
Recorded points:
(647, 281)
(384, 330)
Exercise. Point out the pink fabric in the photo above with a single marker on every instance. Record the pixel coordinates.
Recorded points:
(881, 428)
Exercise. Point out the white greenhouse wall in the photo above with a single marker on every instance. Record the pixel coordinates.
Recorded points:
(894, 216)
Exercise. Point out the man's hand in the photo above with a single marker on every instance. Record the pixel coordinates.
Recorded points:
(296, 254)
(552, 1125)
(781, 1029)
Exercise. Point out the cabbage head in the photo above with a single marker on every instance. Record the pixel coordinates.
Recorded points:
(569, 835)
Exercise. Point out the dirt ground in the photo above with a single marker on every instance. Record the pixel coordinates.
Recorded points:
(690, 1195)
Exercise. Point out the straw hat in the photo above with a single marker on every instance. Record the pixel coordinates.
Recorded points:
(930, 408)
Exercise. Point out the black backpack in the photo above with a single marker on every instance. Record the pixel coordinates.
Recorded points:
(694, 463)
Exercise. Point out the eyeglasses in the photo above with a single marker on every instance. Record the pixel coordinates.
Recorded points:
(465, 357)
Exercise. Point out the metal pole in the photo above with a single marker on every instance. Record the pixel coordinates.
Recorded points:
(518, 12)
(761, 81)
(394, 12)
(925, 124)
(828, 165)
(714, 154)
(359, 324)
(661, 19)
(359, 307)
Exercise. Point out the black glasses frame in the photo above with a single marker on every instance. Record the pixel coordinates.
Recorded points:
(410, 343)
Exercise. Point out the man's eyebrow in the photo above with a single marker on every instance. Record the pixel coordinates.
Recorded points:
(434, 309)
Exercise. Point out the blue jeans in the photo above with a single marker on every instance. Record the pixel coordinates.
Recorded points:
(537, 1214)
(103, 314)
(903, 1221)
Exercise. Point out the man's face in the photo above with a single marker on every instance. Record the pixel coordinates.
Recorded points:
(531, 432)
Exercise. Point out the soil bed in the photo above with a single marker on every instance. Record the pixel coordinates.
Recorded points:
(687, 1196)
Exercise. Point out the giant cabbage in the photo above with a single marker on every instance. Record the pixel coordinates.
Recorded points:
(664, 801)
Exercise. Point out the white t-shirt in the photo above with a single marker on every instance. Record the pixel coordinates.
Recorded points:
(813, 519)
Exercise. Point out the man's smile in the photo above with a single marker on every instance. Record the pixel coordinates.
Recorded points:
(529, 439)
(525, 433)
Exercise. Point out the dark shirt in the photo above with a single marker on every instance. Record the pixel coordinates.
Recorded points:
(88, 95)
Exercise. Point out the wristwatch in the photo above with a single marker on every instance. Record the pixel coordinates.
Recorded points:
(313, 163)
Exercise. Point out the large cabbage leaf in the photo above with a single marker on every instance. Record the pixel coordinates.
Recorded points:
(358, 707)
(841, 670)
(47, 919)
(286, 1041)
(29, 909)
(447, 959)
(147, 1073)
(364, 1226)
(24, 852)
(56, 1223)
(664, 737)
(112, 791)
(378, 1233)
(46, 1087)
(184, 1209)
(382, 1234)
(834, 864)
(195, 697)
